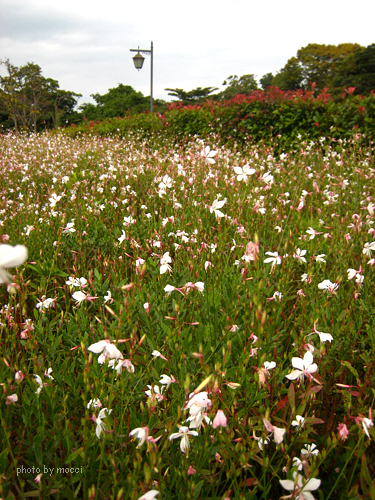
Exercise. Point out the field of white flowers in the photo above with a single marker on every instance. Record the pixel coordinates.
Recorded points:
(186, 321)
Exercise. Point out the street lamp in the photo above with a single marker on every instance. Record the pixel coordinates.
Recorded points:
(138, 63)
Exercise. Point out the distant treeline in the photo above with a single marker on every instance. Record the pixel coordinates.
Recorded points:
(29, 101)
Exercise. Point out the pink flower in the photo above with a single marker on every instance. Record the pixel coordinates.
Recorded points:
(191, 471)
(343, 432)
(278, 433)
(220, 420)
(12, 399)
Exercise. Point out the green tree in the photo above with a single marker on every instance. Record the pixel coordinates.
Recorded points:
(357, 70)
(195, 96)
(30, 99)
(266, 81)
(290, 77)
(246, 84)
(321, 63)
(117, 102)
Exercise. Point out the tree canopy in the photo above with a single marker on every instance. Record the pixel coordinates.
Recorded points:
(31, 101)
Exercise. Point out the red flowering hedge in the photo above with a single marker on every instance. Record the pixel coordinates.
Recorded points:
(273, 116)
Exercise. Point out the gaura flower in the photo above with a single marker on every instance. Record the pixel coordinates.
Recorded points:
(11, 257)
(324, 337)
(100, 425)
(328, 286)
(39, 381)
(244, 172)
(310, 450)
(150, 495)
(299, 255)
(164, 263)
(278, 433)
(166, 380)
(209, 154)
(141, 433)
(303, 367)
(196, 421)
(274, 259)
(298, 422)
(198, 403)
(183, 433)
(220, 420)
(108, 351)
(215, 207)
(301, 489)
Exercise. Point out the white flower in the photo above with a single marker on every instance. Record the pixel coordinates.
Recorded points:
(311, 232)
(209, 154)
(244, 172)
(198, 403)
(310, 450)
(320, 258)
(69, 229)
(166, 380)
(199, 285)
(122, 237)
(108, 297)
(366, 424)
(141, 433)
(298, 422)
(39, 381)
(299, 255)
(120, 365)
(150, 495)
(303, 367)
(95, 403)
(164, 263)
(269, 365)
(274, 259)
(215, 207)
(100, 425)
(45, 303)
(79, 296)
(367, 248)
(278, 433)
(300, 489)
(328, 286)
(196, 421)
(108, 351)
(11, 257)
(183, 433)
(351, 273)
(169, 289)
(155, 393)
(81, 282)
(267, 178)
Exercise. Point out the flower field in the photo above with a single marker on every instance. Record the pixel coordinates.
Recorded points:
(186, 321)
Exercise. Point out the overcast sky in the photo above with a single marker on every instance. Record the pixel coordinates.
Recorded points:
(84, 45)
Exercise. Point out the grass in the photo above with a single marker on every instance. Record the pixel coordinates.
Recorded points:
(108, 210)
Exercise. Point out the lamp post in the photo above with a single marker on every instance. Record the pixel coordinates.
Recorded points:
(138, 63)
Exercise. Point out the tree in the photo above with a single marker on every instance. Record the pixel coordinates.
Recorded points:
(246, 84)
(357, 70)
(321, 63)
(290, 77)
(195, 96)
(30, 98)
(266, 81)
(118, 101)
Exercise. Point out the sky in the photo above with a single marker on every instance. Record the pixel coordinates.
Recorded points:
(84, 45)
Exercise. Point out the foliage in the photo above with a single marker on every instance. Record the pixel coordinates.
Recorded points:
(251, 237)
(246, 84)
(33, 101)
(195, 96)
(117, 102)
(274, 117)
